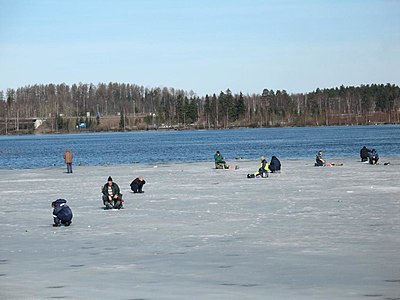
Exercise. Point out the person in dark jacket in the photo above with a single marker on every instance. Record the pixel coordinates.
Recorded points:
(112, 197)
(319, 161)
(62, 214)
(364, 153)
(137, 185)
(274, 165)
(373, 157)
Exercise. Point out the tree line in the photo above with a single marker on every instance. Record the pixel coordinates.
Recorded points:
(63, 107)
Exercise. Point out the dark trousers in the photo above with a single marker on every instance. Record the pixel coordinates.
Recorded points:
(64, 217)
(114, 203)
(58, 222)
(373, 160)
(137, 188)
(262, 172)
(319, 163)
(69, 167)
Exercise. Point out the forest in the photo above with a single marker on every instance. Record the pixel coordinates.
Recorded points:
(50, 108)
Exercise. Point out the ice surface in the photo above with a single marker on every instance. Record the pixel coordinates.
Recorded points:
(200, 233)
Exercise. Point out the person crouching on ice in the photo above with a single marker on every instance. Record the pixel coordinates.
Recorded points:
(373, 157)
(262, 171)
(364, 153)
(274, 165)
(112, 198)
(137, 184)
(62, 214)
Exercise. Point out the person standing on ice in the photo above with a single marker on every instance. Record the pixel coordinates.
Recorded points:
(112, 197)
(68, 156)
(62, 214)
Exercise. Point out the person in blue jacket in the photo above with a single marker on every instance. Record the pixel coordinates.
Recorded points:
(274, 165)
(62, 214)
(373, 157)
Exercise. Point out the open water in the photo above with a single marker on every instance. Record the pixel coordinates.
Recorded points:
(42, 151)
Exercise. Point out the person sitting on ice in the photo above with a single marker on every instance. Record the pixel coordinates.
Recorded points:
(373, 157)
(320, 162)
(263, 169)
(364, 154)
(112, 198)
(62, 214)
(219, 161)
(274, 165)
(137, 185)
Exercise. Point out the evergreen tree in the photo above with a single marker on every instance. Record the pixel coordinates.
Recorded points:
(240, 107)
(191, 111)
(122, 121)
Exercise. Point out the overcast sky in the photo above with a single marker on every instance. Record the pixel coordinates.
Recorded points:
(206, 46)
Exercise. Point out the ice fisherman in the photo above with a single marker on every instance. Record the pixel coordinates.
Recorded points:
(320, 162)
(219, 161)
(274, 165)
(112, 197)
(62, 214)
(263, 169)
(373, 157)
(137, 184)
(364, 154)
(68, 156)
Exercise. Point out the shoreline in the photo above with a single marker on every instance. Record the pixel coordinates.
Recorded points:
(86, 131)
(389, 159)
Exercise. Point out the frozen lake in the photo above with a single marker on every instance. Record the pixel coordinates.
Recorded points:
(200, 233)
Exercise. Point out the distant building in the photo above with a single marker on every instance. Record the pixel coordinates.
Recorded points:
(38, 123)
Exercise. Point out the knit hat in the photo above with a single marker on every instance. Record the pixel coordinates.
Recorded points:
(109, 178)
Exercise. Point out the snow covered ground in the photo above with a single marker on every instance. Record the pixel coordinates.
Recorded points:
(201, 233)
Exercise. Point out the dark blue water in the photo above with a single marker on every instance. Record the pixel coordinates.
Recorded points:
(38, 151)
